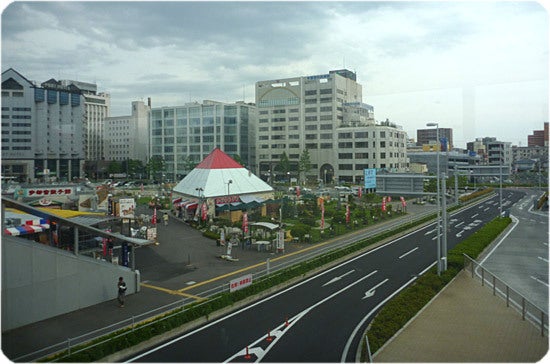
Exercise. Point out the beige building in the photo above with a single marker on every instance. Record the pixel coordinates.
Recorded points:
(127, 137)
(323, 114)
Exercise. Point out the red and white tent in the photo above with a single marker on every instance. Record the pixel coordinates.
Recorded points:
(211, 179)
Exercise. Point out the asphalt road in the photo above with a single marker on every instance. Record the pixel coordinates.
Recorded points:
(322, 318)
(521, 260)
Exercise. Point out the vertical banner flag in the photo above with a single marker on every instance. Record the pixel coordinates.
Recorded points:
(154, 218)
(384, 203)
(204, 211)
(245, 223)
(222, 238)
(281, 240)
(298, 191)
(322, 201)
(403, 202)
(347, 213)
(389, 198)
(360, 192)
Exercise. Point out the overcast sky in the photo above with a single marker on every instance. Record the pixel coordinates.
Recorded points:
(478, 67)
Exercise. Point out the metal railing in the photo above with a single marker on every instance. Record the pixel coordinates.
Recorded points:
(513, 298)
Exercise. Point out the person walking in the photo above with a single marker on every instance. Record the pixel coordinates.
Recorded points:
(121, 291)
(165, 218)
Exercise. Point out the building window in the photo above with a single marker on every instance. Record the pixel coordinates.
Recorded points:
(344, 135)
(345, 155)
(361, 144)
(326, 126)
(326, 145)
(345, 145)
(361, 134)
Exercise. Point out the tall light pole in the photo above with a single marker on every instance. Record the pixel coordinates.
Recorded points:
(228, 204)
(438, 202)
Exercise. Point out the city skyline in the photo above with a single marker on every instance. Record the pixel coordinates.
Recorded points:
(464, 65)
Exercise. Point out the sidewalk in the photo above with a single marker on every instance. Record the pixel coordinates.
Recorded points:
(466, 323)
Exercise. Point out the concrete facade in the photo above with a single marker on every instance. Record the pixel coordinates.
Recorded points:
(42, 129)
(323, 114)
(127, 137)
(40, 282)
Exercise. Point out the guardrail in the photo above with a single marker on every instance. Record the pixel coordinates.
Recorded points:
(270, 268)
(528, 310)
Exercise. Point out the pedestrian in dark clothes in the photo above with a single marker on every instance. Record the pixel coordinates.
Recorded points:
(121, 291)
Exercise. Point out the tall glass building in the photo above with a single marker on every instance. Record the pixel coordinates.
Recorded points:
(184, 135)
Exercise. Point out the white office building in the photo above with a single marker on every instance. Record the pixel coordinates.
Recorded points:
(127, 137)
(97, 108)
(42, 129)
(324, 115)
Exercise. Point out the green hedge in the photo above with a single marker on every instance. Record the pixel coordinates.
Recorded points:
(407, 303)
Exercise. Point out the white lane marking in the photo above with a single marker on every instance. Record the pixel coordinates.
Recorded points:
(336, 279)
(431, 231)
(538, 280)
(487, 209)
(362, 322)
(457, 225)
(279, 333)
(516, 222)
(543, 259)
(407, 253)
(371, 291)
(474, 215)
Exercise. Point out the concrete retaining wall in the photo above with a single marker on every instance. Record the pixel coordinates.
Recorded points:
(39, 282)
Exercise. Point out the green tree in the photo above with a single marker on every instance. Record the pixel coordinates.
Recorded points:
(284, 164)
(237, 158)
(189, 164)
(136, 167)
(304, 164)
(114, 167)
(155, 165)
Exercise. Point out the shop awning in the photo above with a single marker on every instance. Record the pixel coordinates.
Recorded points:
(26, 229)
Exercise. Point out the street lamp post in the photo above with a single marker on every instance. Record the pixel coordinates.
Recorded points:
(438, 202)
(228, 204)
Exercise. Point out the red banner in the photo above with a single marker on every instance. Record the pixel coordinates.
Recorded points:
(154, 218)
(360, 192)
(322, 213)
(403, 202)
(298, 191)
(347, 214)
(384, 203)
(245, 223)
(204, 211)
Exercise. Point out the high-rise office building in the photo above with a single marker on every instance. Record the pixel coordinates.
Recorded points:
(127, 137)
(42, 128)
(324, 115)
(97, 108)
(184, 135)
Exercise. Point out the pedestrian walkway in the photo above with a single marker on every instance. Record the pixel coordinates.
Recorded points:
(466, 323)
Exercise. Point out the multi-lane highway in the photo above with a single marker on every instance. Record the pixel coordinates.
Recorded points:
(322, 318)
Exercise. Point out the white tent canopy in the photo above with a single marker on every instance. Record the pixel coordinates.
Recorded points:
(211, 179)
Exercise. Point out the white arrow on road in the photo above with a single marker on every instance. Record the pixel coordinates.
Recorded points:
(336, 279)
(371, 291)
